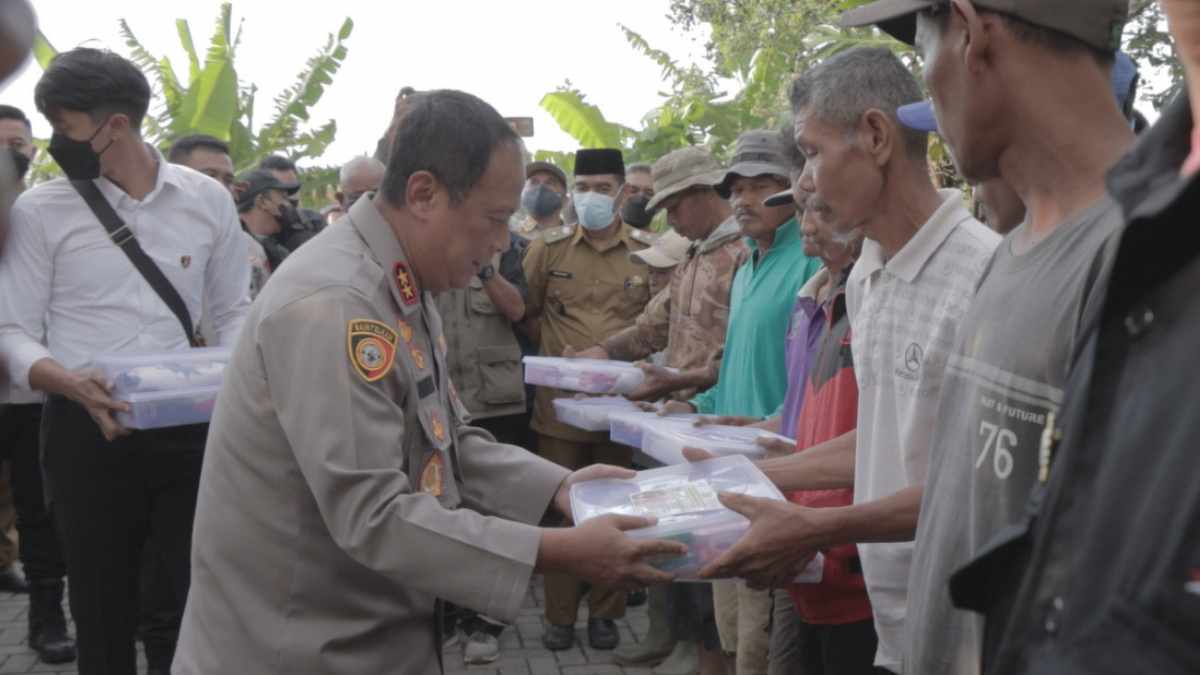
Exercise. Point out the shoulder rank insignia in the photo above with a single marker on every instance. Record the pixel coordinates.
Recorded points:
(432, 475)
(372, 348)
(643, 236)
(557, 234)
(404, 282)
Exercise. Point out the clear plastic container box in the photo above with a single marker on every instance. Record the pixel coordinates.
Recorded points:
(684, 499)
(590, 376)
(170, 371)
(591, 414)
(159, 409)
(665, 442)
(626, 427)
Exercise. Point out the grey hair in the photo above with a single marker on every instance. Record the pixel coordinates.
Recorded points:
(842, 88)
(357, 164)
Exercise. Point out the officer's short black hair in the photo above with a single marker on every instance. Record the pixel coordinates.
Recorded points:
(93, 81)
(277, 163)
(448, 133)
(9, 112)
(182, 148)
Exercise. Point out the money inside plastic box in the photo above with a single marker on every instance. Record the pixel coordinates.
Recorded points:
(684, 499)
(590, 414)
(590, 376)
(179, 407)
(168, 371)
(665, 442)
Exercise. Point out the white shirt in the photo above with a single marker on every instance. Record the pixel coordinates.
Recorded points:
(903, 316)
(64, 283)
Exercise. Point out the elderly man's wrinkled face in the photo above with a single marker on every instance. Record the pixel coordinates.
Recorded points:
(841, 180)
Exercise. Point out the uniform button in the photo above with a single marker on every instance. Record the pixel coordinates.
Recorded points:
(1138, 321)
(1051, 623)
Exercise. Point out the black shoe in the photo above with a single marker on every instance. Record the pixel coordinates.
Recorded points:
(12, 581)
(47, 625)
(602, 634)
(636, 598)
(558, 638)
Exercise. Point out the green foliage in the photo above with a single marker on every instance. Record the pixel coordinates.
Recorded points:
(214, 101)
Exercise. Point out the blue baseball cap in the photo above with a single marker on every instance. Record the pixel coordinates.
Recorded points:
(919, 116)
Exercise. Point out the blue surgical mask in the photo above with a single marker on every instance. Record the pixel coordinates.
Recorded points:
(595, 210)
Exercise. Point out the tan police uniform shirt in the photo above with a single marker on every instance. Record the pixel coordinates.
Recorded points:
(581, 292)
(329, 519)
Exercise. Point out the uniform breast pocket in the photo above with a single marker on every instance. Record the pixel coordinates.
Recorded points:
(500, 375)
(564, 291)
(478, 300)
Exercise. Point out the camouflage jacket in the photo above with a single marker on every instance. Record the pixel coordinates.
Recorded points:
(688, 318)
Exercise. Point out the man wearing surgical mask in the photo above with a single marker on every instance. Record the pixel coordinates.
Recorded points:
(543, 199)
(583, 288)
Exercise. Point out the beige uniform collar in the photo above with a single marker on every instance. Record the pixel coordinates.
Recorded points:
(386, 250)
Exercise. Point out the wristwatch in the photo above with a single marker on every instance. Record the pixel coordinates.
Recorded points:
(486, 272)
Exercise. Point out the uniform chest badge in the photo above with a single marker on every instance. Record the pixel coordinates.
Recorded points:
(441, 341)
(438, 428)
(432, 475)
(418, 357)
(185, 261)
(372, 348)
(406, 331)
(404, 282)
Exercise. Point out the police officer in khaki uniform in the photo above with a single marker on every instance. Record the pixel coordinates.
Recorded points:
(342, 494)
(543, 199)
(582, 288)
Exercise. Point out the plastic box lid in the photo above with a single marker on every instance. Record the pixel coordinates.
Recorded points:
(665, 442)
(627, 427)
(590, 376)
(591, 414)
(129, 374)
(682, 497)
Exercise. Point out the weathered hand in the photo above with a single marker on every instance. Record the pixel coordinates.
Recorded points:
(601, 553)
(596, 352)
(776, 447)
(780, 542)
(92, 392)
(658, 383)
(562, 498)
(726, 420)
(677, 408)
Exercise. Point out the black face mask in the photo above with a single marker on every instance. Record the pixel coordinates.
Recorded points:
(633, 212)
(288, 216)
(20, 163)
(77, 158)
(540, 201)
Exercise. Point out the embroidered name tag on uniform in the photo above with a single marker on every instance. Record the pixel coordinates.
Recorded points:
(426, 388)
(433, 475)
(561, 275)
(404, 282)
(372, 348)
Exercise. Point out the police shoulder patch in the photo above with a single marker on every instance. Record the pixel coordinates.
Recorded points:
(372, 348)
(557, 234)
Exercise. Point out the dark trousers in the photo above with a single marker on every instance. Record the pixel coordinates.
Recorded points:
(108, 497)
(835, 649)
(41, 553)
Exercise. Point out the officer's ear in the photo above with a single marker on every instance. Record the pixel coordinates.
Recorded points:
(423, 193)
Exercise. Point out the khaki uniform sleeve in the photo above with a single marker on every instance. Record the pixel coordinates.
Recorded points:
(347, 435)
(647, 335)
(506, 480)
(534, 265)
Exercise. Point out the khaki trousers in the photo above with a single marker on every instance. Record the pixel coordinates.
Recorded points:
(743, 622)
(563, 592)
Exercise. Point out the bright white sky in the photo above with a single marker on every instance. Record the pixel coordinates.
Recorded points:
(508, 53)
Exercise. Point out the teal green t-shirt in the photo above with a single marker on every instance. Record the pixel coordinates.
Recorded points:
(753, 377)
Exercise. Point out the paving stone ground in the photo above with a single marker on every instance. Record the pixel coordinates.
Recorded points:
(521, 651)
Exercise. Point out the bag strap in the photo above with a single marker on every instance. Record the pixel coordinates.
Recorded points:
(122, 236)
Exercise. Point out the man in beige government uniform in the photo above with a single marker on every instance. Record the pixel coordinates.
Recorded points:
(582, 288)
(342, 495)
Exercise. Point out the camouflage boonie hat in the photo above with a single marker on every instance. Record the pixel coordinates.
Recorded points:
(681, 170)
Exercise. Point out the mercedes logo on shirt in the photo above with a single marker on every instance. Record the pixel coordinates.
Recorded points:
(913, 357)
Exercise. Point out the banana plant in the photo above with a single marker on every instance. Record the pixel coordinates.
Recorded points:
(214, 101)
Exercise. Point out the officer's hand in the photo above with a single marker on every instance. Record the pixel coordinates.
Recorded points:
(562, 498)
(658, 383)
(727, 420)
(677, 408)
(646, 406)
(604, 555)
(780, 542)
(775, 447)
(596, 352)
(90, 390)
(697, 455)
